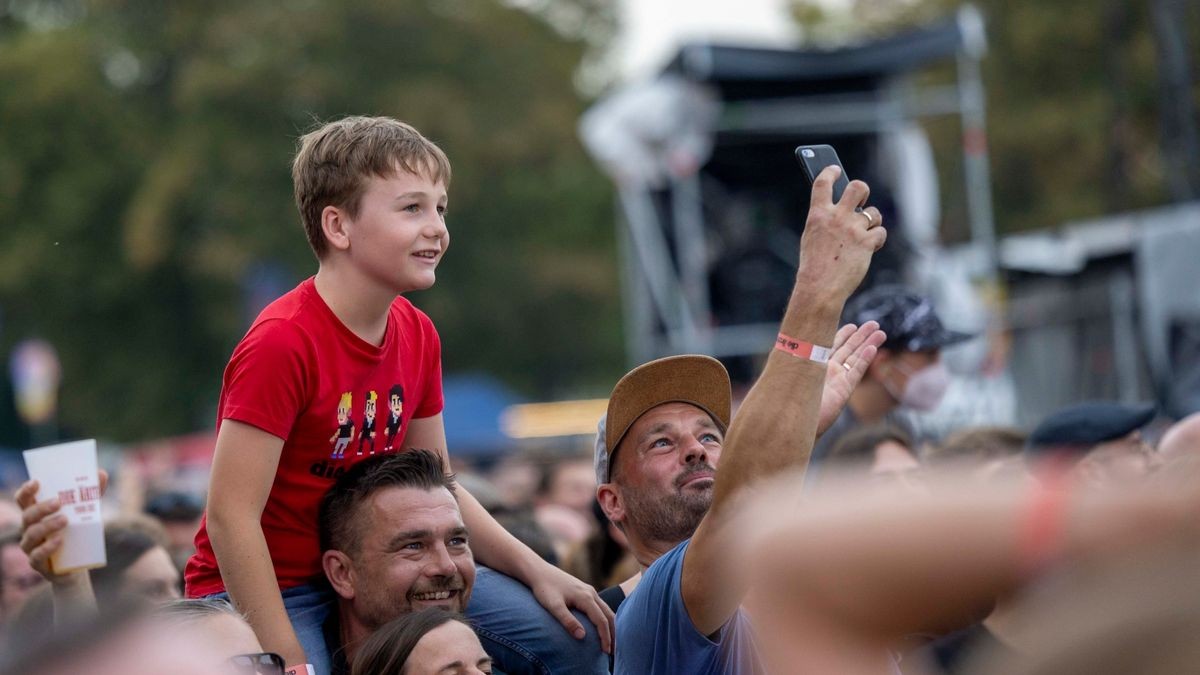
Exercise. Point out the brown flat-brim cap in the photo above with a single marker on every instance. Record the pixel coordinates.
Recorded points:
(699, 380)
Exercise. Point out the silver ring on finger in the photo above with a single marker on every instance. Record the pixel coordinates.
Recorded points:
(870, 220)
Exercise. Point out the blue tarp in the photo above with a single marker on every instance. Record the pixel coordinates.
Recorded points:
(474, 403)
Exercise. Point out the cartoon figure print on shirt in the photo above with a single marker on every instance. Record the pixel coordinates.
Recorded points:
(395, 410)
(345, 431)
(367, 433)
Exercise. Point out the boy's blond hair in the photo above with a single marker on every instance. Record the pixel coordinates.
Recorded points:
(334, 161)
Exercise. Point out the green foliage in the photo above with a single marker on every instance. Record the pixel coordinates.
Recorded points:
(145, 150)
(1072, 93)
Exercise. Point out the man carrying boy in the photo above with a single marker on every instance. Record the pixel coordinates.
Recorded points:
(393, 542)
(372, 196)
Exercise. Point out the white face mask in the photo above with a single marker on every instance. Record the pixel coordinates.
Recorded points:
(925, 387)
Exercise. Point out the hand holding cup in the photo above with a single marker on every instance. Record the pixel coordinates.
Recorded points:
(63, 532)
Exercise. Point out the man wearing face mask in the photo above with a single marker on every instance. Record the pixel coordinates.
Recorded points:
(906, 373)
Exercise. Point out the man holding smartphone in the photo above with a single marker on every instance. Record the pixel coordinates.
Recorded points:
(666, 432)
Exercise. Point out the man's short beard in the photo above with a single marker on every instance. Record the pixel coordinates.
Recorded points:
(669, 518)
(380, 608)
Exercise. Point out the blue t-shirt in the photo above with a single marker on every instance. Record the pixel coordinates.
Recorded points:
(655, 635)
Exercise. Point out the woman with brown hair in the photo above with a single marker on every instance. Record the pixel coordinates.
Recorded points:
(430, 641)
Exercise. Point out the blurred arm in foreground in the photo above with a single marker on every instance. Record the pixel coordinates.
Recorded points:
(855, 568)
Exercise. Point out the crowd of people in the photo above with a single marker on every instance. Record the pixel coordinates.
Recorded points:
(803, 529)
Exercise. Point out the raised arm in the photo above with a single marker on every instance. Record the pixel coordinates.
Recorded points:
(776, 426)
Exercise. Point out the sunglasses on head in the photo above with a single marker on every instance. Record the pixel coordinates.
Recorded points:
(264, 663)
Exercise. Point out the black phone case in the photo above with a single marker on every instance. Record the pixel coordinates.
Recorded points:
(823, 156)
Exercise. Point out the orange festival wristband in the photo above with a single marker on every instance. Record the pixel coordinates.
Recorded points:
(802, 349)
(1042, 529)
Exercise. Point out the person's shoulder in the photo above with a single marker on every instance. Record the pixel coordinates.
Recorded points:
(672, 558)
(284, 323)
(403, 307)
(652, 603)
(290, 304)
(411, 320)
(271, 343)
(278, 330)
(653, 625)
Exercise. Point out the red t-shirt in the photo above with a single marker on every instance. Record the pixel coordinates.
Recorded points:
(301, 375)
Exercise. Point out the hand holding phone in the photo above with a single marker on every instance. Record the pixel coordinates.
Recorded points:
(814, 158)
(837, 243)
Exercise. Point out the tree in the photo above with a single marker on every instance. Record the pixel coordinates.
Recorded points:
(1072, 94)
(144, 178)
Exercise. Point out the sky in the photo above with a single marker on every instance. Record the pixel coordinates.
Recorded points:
(653, 29)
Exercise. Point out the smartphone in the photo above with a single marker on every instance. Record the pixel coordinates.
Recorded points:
(814, 158)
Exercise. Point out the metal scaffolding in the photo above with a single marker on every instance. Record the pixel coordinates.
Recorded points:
(777, 94)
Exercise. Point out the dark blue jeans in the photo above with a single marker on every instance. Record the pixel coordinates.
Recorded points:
(308, 606)
(522, 637)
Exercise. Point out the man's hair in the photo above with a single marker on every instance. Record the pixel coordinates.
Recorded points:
(334, 162)
(979, 444)
(338, 517)
(126, 540)
(858, 446)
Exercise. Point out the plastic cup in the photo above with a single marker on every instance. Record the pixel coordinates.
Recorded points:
(69, 471)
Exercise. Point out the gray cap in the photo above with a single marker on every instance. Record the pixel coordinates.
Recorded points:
(600, 461)
(908, 318)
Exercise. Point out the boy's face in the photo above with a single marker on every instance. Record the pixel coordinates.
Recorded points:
(400, 234)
